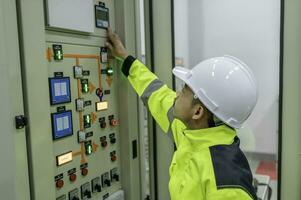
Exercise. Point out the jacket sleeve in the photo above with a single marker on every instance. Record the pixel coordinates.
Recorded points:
(154, 93)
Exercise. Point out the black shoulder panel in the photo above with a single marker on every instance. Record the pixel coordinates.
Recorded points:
(231, 168)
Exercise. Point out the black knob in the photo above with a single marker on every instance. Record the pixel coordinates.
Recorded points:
(103, 124)
(87, 193)
(98, 188)
(116, 177)
(104, 143)
(108, 182)
(113, 140)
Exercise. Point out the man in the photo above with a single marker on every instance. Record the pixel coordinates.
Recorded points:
(208, 163)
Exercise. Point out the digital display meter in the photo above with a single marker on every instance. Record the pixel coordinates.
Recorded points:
(59, 88)
(61, 124)
(101, 16)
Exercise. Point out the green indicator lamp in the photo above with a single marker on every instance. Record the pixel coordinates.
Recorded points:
(57, 52)
(86, 88)
(87, 121)
(110, 71)
(88, 148)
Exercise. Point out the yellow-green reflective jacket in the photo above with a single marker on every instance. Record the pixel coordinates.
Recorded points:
(208, 163)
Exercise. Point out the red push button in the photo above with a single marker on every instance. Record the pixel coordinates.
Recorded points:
(84, 172)
(113, 158)
(113, 122)
(72, 177)
(59, 184)
(104, 144)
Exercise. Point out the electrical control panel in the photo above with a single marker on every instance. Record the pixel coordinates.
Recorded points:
(83, 118)
(84, 115)
(81, 113)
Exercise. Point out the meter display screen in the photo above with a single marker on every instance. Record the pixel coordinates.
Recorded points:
(101, 16)
(59, 90)
(61, 124)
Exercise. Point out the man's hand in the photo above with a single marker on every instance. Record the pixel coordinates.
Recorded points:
(115, 45)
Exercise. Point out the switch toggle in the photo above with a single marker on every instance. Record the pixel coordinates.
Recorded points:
(114, 174)
(105, 179)
(112, 138)
(86, 191)
(73, 194)
(102, 122)
(104, 144)
(96, 185)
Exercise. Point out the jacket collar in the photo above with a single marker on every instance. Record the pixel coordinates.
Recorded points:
(210, 136)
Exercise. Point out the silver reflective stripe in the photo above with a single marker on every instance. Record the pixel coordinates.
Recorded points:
(170, 119)
(152, 87)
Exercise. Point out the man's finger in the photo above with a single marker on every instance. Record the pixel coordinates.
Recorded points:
(109, 45)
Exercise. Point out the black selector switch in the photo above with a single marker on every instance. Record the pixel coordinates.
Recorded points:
(73, 195)
(114, 175)
(102, 122)
(105, 179)
(107, 182)
(96, 185)
(86, 191)
(98, 188)
(112, 138)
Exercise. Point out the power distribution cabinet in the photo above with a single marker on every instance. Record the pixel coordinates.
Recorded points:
(80, 140)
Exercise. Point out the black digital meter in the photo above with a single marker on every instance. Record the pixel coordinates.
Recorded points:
(101, 16)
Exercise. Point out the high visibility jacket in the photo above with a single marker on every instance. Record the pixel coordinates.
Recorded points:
(208, 163)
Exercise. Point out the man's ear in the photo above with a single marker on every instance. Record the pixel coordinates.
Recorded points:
(199, 112)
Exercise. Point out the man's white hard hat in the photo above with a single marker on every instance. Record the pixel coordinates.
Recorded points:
(225, 85)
